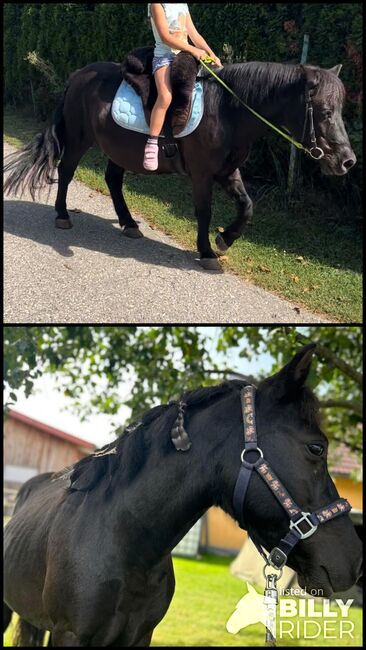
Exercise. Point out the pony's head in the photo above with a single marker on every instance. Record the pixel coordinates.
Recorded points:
(327, 95)
(292, 441)
(294, 445)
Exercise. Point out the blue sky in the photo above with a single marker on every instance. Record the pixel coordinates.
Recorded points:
(48, 405)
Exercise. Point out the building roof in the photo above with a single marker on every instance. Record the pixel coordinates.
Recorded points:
(25, 419)
(342, 461)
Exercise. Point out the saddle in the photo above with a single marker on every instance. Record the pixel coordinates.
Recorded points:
(137, 71)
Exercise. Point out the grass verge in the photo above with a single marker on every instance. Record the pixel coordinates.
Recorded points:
(305, 253)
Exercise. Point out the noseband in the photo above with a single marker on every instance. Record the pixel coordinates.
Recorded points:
(315, 152)
(302, 524)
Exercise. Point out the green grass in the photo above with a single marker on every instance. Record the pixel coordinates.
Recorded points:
(307, 253)
(205, 597)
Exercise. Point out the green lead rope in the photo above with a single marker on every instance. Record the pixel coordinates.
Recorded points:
(260, 117)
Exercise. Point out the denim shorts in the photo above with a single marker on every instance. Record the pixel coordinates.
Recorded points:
(161, 61)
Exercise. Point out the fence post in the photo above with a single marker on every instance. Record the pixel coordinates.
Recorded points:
(33, 100)
(291, 170)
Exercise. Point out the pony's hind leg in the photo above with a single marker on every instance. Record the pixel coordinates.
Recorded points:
(66, 169)
(114, 179)
(234, 186)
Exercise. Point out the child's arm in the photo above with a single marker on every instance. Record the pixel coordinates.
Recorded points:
(198, 40)
(161, 24)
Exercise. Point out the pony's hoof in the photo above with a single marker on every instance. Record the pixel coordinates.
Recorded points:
(221, 244)
(210, 264)
(65, 224)
(132, 233)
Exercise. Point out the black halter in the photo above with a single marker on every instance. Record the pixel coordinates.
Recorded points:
(302, 524)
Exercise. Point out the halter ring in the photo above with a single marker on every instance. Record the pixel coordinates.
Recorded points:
(272, 567)
(318, 156)
(243, 454)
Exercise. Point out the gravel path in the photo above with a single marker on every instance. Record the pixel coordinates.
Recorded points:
(93, 274)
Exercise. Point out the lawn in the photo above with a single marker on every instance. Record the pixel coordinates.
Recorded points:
(308, 253)
(205, 597)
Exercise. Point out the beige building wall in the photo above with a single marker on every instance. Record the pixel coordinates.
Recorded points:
(223, 532)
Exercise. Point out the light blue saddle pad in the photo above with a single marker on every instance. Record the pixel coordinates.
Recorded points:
(127, 110)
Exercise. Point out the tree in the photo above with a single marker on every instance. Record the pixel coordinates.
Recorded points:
(92, 363)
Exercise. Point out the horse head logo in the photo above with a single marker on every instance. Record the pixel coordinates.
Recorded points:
(249, 610)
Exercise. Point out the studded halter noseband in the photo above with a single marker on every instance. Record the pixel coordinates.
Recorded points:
(302, 524)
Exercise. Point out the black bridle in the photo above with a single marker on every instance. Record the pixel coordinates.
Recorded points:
(302, 524)
(315, 152)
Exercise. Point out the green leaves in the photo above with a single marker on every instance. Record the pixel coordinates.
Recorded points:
(102, 368)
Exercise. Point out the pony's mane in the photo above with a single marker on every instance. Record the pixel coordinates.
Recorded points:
(257, 82)
(129, 452)
(130, 449)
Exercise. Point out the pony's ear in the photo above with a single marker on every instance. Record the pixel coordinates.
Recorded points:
(311, 75)
(292, 377)
(336, 70)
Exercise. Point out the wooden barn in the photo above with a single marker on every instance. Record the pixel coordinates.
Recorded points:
(32, 447)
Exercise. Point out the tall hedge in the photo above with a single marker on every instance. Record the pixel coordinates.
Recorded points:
(71, 35)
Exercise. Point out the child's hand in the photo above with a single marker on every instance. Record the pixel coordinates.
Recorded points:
(198, 53)
(212, 58)
(216, 60)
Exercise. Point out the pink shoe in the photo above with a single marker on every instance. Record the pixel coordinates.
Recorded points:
(151, 156)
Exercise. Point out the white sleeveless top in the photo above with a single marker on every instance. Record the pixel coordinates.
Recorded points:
(176, 14)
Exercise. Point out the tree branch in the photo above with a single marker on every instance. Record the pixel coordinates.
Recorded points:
(354, 406)
(324, 352)
(226, 371)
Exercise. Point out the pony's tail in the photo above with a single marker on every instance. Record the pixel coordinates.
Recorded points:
(33, 166)
(27, 636)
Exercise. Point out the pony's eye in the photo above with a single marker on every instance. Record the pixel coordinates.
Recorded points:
(327, 115)
(317, 450)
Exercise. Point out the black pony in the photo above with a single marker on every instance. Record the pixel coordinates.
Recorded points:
(87, 551)
(212, 153)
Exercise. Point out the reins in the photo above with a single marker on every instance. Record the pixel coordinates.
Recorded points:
(308, 116)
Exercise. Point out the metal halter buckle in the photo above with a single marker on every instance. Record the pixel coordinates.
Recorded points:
(305, 516)
(277, 558)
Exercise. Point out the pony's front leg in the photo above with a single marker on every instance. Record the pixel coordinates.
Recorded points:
(202, 197)
(234, 186)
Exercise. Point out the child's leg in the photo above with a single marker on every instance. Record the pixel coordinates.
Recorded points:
(163, 86)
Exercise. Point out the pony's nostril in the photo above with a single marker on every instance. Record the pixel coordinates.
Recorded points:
(349, 163)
